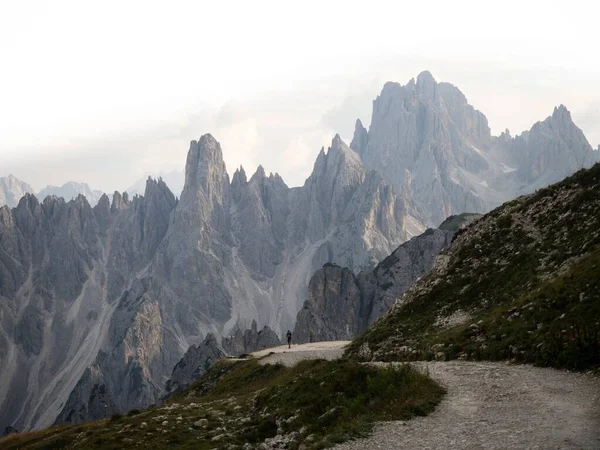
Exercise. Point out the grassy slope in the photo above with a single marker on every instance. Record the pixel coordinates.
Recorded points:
(319, 402)
(527, 276)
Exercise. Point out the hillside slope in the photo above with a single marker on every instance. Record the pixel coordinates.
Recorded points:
(522, 283)
(248, 405)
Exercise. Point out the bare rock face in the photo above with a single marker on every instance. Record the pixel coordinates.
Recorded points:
(65, 270)
(427, 140)
(250, 340)
(334, 308)
(12, 190)
(341, 305)
(196, 361)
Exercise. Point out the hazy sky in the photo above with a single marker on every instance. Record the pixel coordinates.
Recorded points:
(107, 92)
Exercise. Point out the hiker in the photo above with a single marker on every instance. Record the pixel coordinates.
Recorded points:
(289, 338)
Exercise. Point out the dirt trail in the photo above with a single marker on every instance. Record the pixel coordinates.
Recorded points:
(499, 406)
(489, 406)
(314, 350)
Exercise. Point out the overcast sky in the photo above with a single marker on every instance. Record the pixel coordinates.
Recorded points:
(108, 92)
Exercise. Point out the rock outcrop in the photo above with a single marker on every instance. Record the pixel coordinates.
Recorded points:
(195, 362)
(250, 340)
(12, 190)
(341, 305)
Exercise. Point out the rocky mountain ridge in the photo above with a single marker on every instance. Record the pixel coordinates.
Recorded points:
(428, 141)
(99, 304)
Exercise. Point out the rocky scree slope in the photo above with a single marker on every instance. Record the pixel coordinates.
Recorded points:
(341, 305)
(520, 283)
(437, 150)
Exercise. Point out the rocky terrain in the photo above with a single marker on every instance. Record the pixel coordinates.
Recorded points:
(520, 283)
(437, 150)
(342, 305)
(70, 191)
(100, 303)
(198, 359)
(12, 189)
(250, 340)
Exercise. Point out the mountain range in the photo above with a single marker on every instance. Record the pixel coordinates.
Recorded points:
(12, 190)
(435, 148)
(99, 303)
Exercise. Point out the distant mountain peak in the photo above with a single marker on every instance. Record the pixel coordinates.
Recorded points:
(71, 190)
(12, 190)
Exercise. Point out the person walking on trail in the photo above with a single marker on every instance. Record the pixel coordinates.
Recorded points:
(289, 339)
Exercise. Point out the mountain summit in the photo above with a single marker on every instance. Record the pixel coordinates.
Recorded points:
(425, 137)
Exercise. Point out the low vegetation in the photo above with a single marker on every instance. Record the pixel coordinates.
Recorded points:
(522, 283)
(241, 405)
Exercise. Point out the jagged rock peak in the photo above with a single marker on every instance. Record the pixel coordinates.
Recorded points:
(239, 177)
(104, 202)
(154, 187)
(29, 201)
(205, 168)
(194, 363)
(338, 161)
(360, 138)
(259, 174)
(205, 150)
(119, 201)
(562, 114)
(426, 85)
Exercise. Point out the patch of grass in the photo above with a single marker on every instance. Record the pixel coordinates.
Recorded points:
(317, 403)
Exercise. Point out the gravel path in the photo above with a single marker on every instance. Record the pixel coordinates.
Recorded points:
(499, 406)
(489, 406)
(314, 350)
